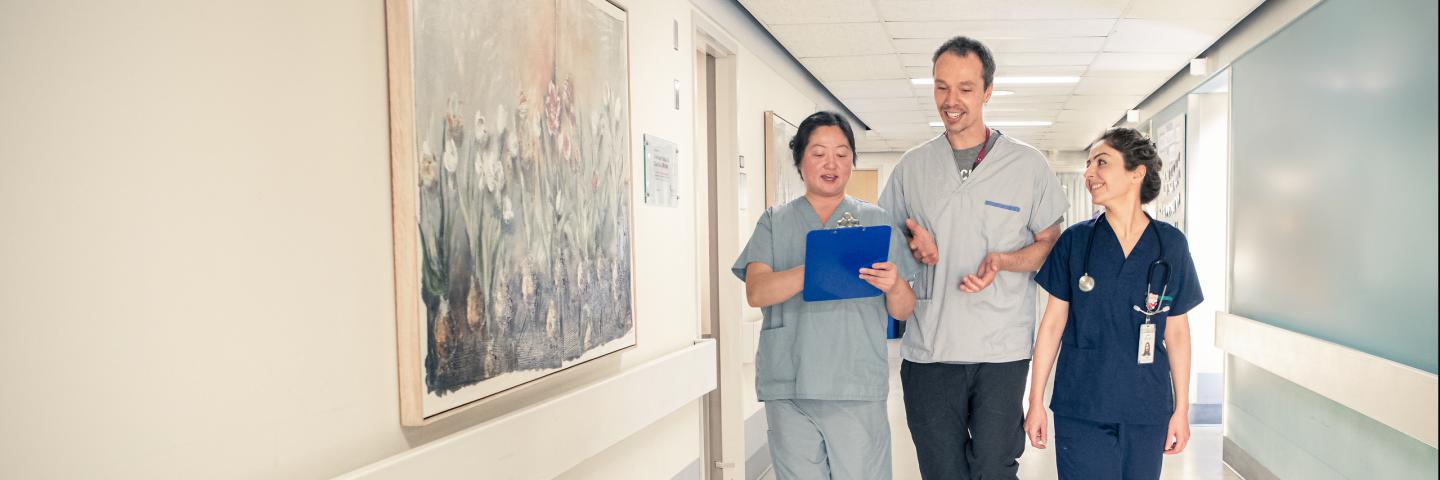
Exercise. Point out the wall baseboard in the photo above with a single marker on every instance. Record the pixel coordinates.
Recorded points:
(505, 447)
(1243, 464)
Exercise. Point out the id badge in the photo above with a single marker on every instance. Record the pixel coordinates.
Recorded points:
(1147, 344)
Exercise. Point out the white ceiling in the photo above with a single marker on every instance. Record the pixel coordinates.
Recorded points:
(866, 52)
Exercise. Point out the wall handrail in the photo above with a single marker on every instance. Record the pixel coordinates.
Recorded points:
(1397, 395)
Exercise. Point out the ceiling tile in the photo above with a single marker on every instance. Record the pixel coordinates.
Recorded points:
(1019, 99)
(920, 10)
(870, 88)
(1002, 46)
(860, 67)
(1022, 108)
(1002, 28)
(1185, 36)
(1090, 116)
(1011, 71)
(833, 39)
(1144, 84)
(904, 117)
(890, 104)
(772, 12)
(1232, 10)
(1082, 102)
(924, 60)
(1140, 62)
(1039, 70)
(1043, 59)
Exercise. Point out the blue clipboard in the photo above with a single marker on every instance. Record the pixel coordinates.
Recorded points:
(834, 257)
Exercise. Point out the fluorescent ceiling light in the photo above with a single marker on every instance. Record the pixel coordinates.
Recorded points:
(1006, 123)
(921, 81)
(1001, 93)
(1036, 80)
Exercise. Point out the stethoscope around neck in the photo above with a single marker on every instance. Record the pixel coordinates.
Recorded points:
(1153, 303)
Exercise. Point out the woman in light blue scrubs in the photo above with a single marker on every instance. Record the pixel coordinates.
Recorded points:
(1120, 286)
(822, 367)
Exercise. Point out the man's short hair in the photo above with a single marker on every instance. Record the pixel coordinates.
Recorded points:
(962, 46)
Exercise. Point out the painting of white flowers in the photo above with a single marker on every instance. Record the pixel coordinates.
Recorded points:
(512, 194)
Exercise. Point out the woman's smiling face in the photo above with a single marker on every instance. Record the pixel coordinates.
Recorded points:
(1106, 178)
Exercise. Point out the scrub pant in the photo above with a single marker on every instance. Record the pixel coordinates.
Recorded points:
(967, 420)
(1086, 449)
(824, 439)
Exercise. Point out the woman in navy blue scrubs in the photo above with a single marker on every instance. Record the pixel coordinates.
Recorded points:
(1120, 286)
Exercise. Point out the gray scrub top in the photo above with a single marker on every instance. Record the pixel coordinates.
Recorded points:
(1012, 195)
(831, 350)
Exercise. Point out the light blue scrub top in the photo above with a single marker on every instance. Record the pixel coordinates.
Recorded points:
(831, 350)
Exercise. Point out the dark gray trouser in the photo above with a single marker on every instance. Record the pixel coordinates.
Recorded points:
(966, 420)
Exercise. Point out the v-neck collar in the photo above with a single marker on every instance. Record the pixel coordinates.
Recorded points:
(812, 218)
(1115, 239)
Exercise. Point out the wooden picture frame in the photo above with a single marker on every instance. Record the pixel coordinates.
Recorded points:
(782, 180)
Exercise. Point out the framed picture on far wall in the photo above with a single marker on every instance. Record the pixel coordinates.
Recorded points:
(1169, 205)
(782, 180)
(511, 179)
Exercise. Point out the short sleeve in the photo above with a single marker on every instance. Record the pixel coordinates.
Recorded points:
(893, 198)
(1185, 282)
(1055, 276)
(900, 250)
(760, 248)
(1050, 202)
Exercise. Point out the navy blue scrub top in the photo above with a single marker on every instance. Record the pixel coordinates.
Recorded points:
(1097, 376)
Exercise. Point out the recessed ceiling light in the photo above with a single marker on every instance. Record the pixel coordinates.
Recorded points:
(1036, 80)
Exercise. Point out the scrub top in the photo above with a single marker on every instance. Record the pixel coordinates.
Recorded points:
(1012, 195)
(1098, 376)
(830, 350)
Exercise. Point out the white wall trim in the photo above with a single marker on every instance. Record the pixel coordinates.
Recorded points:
(540, 441)
(1397, 395)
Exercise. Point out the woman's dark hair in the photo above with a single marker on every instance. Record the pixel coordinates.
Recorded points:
(817, 120)
(1137, 150)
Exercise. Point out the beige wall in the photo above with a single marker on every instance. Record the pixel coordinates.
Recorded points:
(195, 275)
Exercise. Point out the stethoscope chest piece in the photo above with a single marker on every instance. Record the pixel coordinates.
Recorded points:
(1087, 283)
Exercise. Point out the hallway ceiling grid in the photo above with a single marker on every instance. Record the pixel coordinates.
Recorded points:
(867, 51)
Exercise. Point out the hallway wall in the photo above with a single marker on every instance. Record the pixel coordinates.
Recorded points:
(1334, 199)
(196, 274)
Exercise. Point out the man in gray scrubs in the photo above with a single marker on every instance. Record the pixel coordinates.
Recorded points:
(982, 211)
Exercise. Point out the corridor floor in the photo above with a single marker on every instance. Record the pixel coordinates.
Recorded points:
(1199, 461)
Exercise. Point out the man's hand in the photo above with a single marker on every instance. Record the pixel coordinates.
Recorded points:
(922, 245)
(985, 275)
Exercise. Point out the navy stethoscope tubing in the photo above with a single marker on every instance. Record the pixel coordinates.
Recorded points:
(1087, 283)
